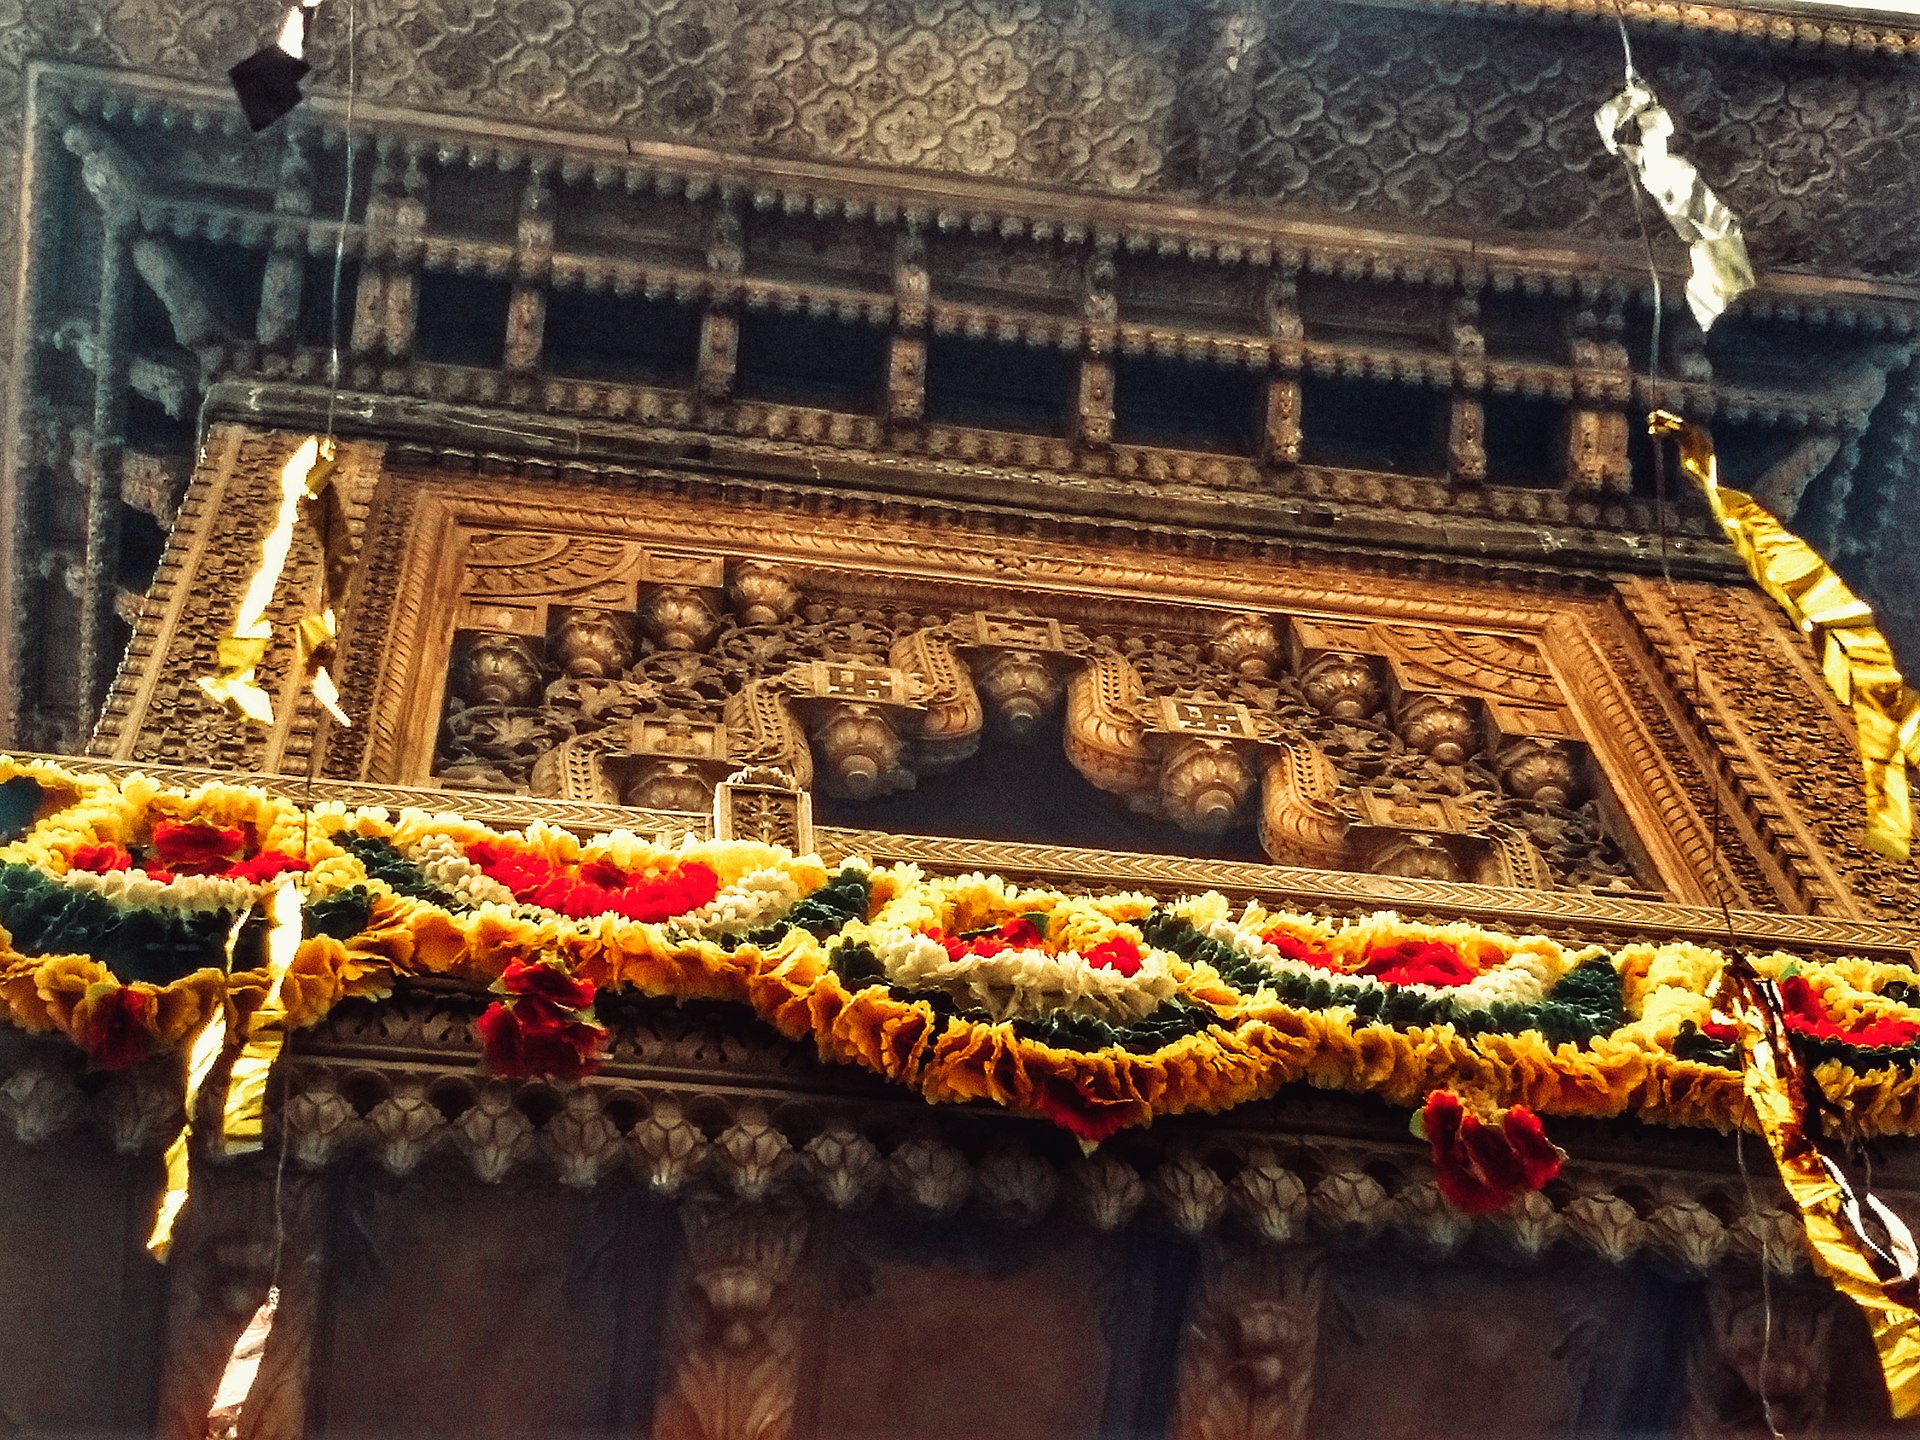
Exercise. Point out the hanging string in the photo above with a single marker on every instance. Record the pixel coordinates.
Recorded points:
(1662, 512)
(346, 216)
(227, 1407)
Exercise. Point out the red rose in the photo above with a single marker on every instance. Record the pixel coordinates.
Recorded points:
(955, 947)
(1806, 1014)
(1887, 1033)
(1481, 1167)
(267, 865)
(1539, 1157)
(196, 849)
(1020, 934)
(1801, 1005)
(1089, 1119)
(1416, 962)
(605, 874)
(598, 887)
(117, 1031)
(1293, 947)
(101, 859)
(686, 887)
(1724, 1031)
(1118, 953)
(526, 1037)
(550, 983)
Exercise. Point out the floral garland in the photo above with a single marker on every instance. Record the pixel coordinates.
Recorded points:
(126, 908)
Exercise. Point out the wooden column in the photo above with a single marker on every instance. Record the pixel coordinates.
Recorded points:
(1093, 404)
(217, 1276)
(1280, 438)
(1596, 454)
(734, 1325)
(1247, 1361)
(533, 264)
(1759, 1351)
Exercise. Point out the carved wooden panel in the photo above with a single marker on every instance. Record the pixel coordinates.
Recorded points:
(636, 643)
(155, 712)
(985, 1333)
(473, 1286)
(636, 655)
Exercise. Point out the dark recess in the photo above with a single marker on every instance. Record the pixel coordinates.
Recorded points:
(1524, 438)
(999, 387)
(597, 336)
(799, 360)
(1373, 425)
(1031, 793)
(1187, 405)
(463, 320)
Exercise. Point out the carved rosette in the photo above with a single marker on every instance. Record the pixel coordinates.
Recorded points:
(1343, 685)
(680, 617)
(667, 785)
(500, 670)
(1543, 769)
(1022, 691)
(861, 753)
(762, 594)
(1417, 856)
(1443, 726)
(1246, 645)
(1205, 784)
(592, 645)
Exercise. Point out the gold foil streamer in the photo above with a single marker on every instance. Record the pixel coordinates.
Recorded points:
(243, 1120)
(1854, 656)
(243, 1367)
(201, 1054)
(306, 488)
(1878, 1278)
(1636, 126)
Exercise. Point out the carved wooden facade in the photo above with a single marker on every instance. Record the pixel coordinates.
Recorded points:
(749, 1233)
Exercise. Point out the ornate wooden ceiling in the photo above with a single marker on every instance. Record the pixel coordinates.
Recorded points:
(1311, 371)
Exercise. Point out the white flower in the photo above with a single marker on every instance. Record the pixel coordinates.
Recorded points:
(135, 889)
(1025, 982)
(756, 898)
(444, 862)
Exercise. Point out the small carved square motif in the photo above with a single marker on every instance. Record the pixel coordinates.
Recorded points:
(678, 737)
(1410, 812)
(1205, 717)
(872, 684)
(1017, 632)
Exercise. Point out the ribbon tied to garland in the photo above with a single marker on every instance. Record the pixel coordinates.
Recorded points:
(307, 492)
(1858, 1244)
(243, 1115)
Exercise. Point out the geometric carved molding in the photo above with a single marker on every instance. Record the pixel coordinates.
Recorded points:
(784, 1132)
